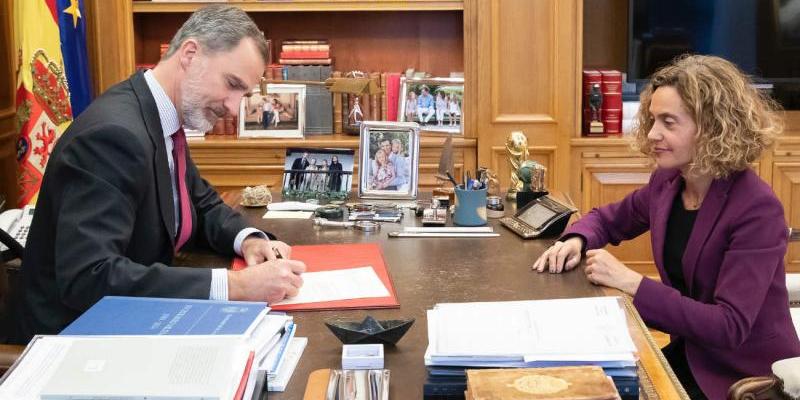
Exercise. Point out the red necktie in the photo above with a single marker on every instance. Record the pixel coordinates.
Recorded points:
(179, 157)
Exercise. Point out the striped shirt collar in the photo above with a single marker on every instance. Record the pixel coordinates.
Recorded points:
(167, 113)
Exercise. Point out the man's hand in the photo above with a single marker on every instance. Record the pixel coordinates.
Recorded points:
(256, 250)
(604, 269)
(561, 256)
(270, 281)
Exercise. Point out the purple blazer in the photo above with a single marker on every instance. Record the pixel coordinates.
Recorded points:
(733, 265)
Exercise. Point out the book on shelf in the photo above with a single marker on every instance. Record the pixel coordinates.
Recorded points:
(337, 106)
(305, 45)
(375, 99)
(392, 90)
(611, 85)
(305, 54)
(319, 102)
(557, 383)
(383, 97)
(305, 61)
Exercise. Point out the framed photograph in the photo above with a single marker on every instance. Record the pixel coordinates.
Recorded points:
(318, 173)
(279, 113)
(389, 160)
(436, 104)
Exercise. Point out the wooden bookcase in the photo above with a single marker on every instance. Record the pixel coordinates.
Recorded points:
(520, 58)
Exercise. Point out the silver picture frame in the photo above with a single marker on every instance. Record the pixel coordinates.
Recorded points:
(392, 176)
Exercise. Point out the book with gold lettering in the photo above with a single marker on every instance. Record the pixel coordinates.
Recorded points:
(559, 383)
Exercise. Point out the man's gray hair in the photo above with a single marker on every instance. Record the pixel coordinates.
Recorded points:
(219, 28)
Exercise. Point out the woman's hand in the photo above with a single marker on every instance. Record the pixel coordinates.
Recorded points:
(561, 256)
(604, 269)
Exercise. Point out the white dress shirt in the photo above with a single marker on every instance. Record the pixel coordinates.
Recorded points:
(168, 116)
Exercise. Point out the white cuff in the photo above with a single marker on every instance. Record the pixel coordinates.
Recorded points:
(243, 234)
(219, 284)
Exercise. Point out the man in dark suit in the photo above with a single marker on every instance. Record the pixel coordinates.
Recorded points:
(336, 174)
(296, 178)
(121, 195)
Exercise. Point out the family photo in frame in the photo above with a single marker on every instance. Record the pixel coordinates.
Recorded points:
(436, 104)
(278, 113)
(389, 160)
(315, 173)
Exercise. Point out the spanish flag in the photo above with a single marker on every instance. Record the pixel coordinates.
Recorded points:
(53, 83)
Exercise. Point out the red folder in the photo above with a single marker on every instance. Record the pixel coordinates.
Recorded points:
(329, 257)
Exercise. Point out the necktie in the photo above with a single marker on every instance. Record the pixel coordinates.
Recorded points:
(179, 157)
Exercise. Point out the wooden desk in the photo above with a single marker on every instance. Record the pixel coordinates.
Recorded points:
(430, 271)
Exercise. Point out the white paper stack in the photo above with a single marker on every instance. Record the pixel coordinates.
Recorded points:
(525, 334)
(530, 333)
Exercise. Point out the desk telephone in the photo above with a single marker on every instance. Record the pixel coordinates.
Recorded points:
(544, 216)
(14, 226)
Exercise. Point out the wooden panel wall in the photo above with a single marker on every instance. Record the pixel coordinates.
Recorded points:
(109, 42)
(8, 124)
(528, 67)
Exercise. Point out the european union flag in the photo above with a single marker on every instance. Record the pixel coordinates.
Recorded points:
(72, 25)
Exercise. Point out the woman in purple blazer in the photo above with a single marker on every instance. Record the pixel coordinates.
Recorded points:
(718, 231)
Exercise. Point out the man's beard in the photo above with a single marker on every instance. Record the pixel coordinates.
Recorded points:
(195, 113)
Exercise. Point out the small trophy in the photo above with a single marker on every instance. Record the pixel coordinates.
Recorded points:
(517, 148)
(595, 102)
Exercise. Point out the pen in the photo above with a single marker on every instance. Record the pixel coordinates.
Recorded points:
(277, 253)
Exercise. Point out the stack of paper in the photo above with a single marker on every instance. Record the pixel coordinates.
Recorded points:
(129, 367)
(543, 333)
(184, 333)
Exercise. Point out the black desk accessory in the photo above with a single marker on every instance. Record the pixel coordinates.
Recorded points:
(542, 217)
(370, 330)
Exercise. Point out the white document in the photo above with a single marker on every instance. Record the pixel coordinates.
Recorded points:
(35, 368)
(147, 367)
(288, 214)
(292, 206)
(584, 329)
(343, 284)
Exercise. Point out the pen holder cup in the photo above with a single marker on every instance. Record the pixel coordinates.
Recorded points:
(470, 207)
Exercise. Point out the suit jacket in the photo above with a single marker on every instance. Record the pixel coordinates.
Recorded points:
(104, 221)
(737, 321)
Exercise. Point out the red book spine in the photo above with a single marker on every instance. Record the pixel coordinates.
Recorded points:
(392, 95)
(305, 54)
(590, 77)
(612, 101)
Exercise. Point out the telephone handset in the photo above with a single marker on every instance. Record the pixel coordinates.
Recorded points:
(14, 226)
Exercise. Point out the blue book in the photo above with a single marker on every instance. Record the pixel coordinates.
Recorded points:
(114, 315)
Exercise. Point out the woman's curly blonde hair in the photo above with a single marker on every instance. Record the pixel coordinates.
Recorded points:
(735, 122)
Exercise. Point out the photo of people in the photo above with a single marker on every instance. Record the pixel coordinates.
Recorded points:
(435, 103)
(278, 113)
(313, 172)
(389, 159)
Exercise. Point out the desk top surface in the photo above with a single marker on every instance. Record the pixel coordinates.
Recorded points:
(427, 271)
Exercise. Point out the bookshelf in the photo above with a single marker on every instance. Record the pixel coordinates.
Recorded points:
(520, 60)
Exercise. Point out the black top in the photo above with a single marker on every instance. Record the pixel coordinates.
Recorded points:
(679, 227)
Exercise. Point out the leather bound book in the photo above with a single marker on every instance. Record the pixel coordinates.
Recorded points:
(375, 99)
(590, 77)
(559, 383)
(337, 106)
(612, 101)
(383, 97)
